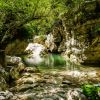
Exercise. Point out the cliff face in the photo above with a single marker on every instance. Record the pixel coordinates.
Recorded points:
(78, 34)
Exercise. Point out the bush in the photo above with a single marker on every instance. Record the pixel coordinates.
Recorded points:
(91, 91)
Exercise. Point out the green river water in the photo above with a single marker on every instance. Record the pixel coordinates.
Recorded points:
(59, 64)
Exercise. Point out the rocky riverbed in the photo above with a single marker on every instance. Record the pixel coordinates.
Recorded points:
(50, 78)
(31, 83)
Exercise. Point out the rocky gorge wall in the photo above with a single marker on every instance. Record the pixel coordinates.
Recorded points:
(77, 34)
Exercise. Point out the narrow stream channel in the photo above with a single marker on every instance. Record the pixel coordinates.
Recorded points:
(78, 74)
(57, 63)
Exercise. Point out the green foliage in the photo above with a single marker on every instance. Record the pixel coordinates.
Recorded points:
(25, 8)
(17, 16)
(91, 91)
(98, 89)
(37, 16)
(57, 9)
(97, 28)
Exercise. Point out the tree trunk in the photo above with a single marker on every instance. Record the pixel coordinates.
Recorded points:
(3, 58)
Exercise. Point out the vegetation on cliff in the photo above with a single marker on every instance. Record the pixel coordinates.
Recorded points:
(69, 28)
(19, 18)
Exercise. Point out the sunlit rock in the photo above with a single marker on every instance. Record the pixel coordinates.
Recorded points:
(6, 95)
(40, 39)
(25, 96)
(35, 54)
(13, 60)
(50, 43)
(81, 77)
(74, 94)
(28, 79)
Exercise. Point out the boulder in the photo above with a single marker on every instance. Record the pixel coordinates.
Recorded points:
(5, 95)
(16, 70)
(13, 60)
(50, 44)
(35, 54)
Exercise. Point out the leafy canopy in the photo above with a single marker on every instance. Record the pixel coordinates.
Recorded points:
(14, 14)
(37, 15)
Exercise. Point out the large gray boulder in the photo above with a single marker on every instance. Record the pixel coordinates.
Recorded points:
(35, 53)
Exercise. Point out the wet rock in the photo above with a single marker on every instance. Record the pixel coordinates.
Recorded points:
(53, 97)
(25, 87)
(15, 71)
(13, 60)
(28, 96)
(30, 79)
(14, 66)
(28, 82)
(74, 94)
(4, 77)
(5, 95)
(46, 76)
(51, 80)
(66, 82)
(48, 98)
(31, 70)
(26, 75)
(80, 77)
(2, 98)
(3, 84)
(4, 73)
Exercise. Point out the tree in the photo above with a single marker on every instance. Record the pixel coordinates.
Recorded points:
(15, 14)
(57, 9)
(18, 16)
